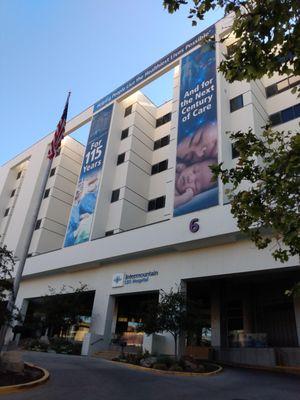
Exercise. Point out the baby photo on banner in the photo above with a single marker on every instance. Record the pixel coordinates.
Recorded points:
(82, 212)
(197, 144)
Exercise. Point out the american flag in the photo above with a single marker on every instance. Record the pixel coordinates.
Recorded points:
(59, 133)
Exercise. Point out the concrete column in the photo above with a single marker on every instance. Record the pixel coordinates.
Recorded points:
(247, 313)
(216, 316)
(110, 316)
(297, 316)
(182, 338)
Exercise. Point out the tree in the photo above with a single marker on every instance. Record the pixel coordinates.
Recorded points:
(267, 34)
(264, 185)
(171, 314)
(268, 207)
(6, 285)
(64, 307)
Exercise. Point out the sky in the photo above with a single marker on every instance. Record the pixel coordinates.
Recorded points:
(48, 47)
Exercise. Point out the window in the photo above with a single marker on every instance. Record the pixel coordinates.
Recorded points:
(157, 203)
(6, 212)
(128, 111)
(236, 103)
(285, 115)
(163, 120)
(115, 195)
(164, 141)
(234, 152)
(124, 133)
(52, 172)
(231, 49)
(19, 175)
(38, 224)
(109, 233)
(281, 86)
(159, 167)
(46, 194)
(29, 255)
(121, 158)
(13, 193)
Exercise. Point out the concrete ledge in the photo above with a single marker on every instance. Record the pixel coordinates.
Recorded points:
(28, 385)
(162, 372)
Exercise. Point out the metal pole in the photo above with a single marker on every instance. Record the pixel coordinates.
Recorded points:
(24, 253)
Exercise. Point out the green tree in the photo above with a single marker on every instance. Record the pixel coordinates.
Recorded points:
(6, 285)
(267, 208)
(267, 34)
(64, 307)
(171, 314)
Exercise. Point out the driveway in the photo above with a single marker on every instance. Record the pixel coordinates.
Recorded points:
(78, 378)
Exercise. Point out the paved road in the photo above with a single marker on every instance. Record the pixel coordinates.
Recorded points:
(81, 378)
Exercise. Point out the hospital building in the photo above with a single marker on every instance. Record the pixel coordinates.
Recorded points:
(134, 211)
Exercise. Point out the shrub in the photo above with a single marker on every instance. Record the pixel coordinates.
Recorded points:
(36, 345)
(176, 367)
(168, 361)
(160, 366)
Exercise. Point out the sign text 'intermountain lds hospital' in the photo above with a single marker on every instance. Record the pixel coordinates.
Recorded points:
(82, 212)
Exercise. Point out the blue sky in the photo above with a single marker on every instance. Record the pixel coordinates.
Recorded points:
(48, 47)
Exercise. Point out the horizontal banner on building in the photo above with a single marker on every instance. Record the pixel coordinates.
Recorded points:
(82, 212)
(154, 68)
(197, 144)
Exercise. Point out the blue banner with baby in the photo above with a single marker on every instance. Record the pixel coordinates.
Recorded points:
(197, 143)
(81, 215)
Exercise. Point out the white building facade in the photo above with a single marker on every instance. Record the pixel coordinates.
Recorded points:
(143, 234)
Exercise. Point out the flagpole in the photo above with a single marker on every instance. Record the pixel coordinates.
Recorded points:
(24, 252)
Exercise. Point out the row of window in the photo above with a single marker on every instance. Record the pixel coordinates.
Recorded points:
(153, 204)
(164, 141)
(285, 115)
(159, 122)
(281, 86)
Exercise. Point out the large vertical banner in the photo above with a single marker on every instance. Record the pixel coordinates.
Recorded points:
(197, 144)
(81, 215)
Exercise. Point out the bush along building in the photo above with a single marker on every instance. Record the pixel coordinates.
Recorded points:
(135, 211)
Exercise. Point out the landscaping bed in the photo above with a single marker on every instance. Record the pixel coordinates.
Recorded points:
(12, 378)
(55, 345)
(165, 363)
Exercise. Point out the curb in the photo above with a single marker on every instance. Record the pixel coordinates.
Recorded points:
(278, 368)
(162, 372)
(28, 385)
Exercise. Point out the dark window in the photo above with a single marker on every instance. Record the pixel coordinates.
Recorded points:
(128, 111)
(236, 103)
(234, 152)
(157, 203)
(231, 49)
(38, 224)
(124, 133)
(164, 141)
(285, 115)
(115, 195)
(275, 119)
(163, 120)
(19, 174)
(109, 233)
(281, 86)
(6, 212)
(46, 194)
(121, 158)
(159, 167)
(13, 193)
(297, 110)
(52, 172)
(29, 255)
(271, 90)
